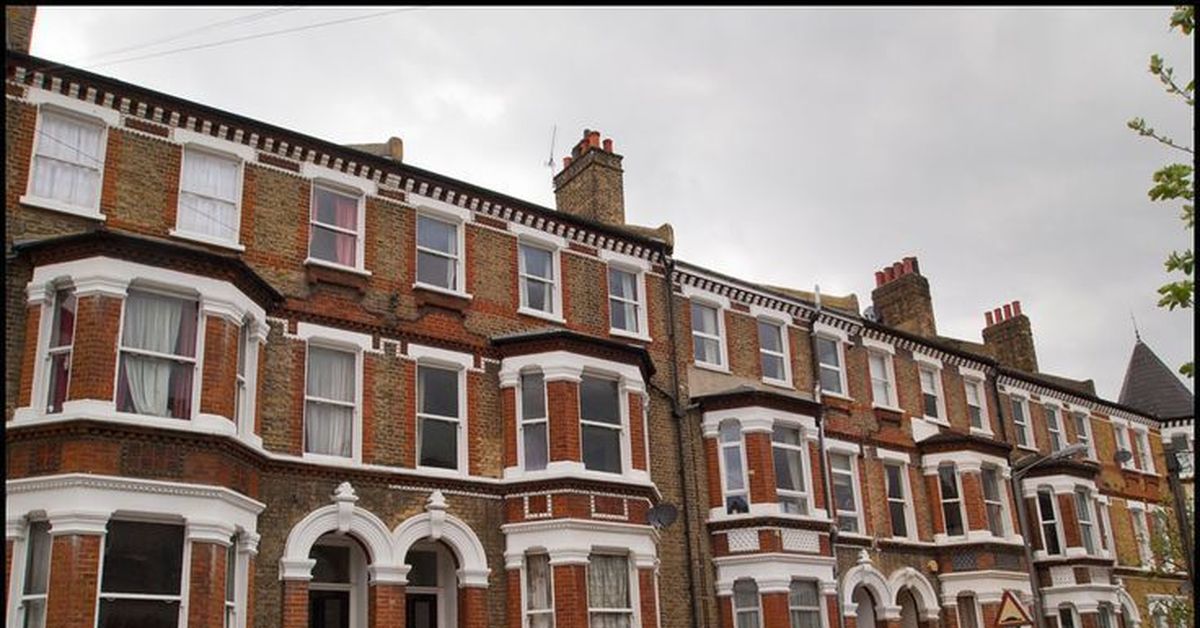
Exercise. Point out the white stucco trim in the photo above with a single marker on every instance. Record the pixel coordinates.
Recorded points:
(988, 585)
(773, 572)
(571, 541)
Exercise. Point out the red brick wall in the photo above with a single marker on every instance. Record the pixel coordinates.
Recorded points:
(508, 405)
(513, 604)
(972, 501)
(472, 608)
(761, 472)
(647, 597)
(1069, 521)
(570, 596)
(33, 317)
(74, 581)
(387, 606)
(775, 612)
(295, 604)
(935, 503)
(219, 380)
(206, 593)
(94, 358)
(563, 408)
(712, 456)
(637, 431)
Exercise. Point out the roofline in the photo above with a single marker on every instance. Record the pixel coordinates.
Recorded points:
(383, 163)
(641, 353)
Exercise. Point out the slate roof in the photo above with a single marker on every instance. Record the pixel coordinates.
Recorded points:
(1151, 386)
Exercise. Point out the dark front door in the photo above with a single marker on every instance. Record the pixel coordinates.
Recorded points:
(328, 609)
(421, 610)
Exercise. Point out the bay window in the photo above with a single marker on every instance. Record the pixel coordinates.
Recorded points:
(772, 351)
(600, 419)
(209, 196)
(58, 354)
(330, 401)
(897, 499)
(539, 592)
(707, 341)
(1020, 417)
(439, 417)
(610, 604)
(931, 393)
(158, 355)
(335, 227)
(845, 500)
(745, 604)
(37, 574)
(733, 462)
(1053, 427)
(952, 513)
(804, 604)
(68, 161)
(832, 373)
(624, 301)
(993, 499)
(141, 575)
(883, 387)
(437, 253)
(1083, 512)
(788, 448)
(1048, 514)
(538, 283)
(534, 422)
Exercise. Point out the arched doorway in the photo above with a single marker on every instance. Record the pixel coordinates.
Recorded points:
(337, 593)
(909, 617)
(864, 613)
(431, 598)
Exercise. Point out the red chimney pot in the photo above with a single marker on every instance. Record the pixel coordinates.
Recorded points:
(566, 161)
(593, 139)
(988, 317)
(996, 312)
(608, 145)
(1016, 308)
(1008, 311)
(879, 278)
(908, 265)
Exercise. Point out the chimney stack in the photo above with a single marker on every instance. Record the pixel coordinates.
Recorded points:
(902, 300)
(18, 27)
(591, 183)
(1009, 337)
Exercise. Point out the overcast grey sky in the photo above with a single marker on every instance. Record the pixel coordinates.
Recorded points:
(794, 146)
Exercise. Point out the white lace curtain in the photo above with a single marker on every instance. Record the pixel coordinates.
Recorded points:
(537, 567)
(67, 165)
(162, 325)
(328, 425)
(208, 198)
(608, 589)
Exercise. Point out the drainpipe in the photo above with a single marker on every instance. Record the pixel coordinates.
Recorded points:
(689, 478)
(833, 529)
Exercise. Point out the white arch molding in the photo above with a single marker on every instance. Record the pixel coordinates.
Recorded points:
(870, 578)
(921, 589)
(1128, 605)
(386, 549)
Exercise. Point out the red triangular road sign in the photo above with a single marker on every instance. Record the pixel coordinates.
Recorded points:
(1012, 613)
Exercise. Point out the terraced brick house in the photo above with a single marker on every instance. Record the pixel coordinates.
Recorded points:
(260, 379)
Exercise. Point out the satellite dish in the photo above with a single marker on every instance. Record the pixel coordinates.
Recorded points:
(662, 515)
(1122, 456)
(869, 314)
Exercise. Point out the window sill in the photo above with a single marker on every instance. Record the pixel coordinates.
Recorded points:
(718, 368)
(937, 421)
(417, 285)
(59, 206)
(837, 396)
(553, 318)
(203, 239)
(329, 459)
(628, 334)
(441, 472)
(778, 383)
(312, 261)
(975, 431)
(1028, 448)
(885, 408)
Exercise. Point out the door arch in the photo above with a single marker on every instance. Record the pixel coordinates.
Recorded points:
(865, 614)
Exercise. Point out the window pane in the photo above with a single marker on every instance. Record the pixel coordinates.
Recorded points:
(437, 391)
(424, 572)
(827, 352)
(62, 333)
(537, 294)
(533, 396)
(537, 582)
(734, 475)
(67, 165)
(535, 445)
(439, 444)
(328, 429)
(707, 350)
(334, 246)
(772, 367)
(608, 581)
(789, 474)
(338, 210)
(704, 319)
(1065, 618)
(745, 594)
(803, 593)
(437, 235)
(769, 337)
(331, 374)
(843, 493)
(56, 391)
(599, 400)
(436, 270)
(895, 488)
(899, 521)
(142, 558)
(966, 612)
(333, 563)
(37, 567)
(601, 449)
(622, 284)
(155, 386)
(139, 613)
(831, 380)
(231, 571)
(947, 482)
(623, 315)
(159, 323)
(538, 262)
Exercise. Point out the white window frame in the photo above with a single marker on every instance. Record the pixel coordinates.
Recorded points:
(231, 577)
(985, 421)
(1058, 439)
(1056, 522)
(722, 351)
(359, 234)
(63, 106)
(634, 594)
(1141, 533)
(460, 421)
(784, 356)
(196, 361)
(178, 232)
(1085, 435)
(20, 557)
(643, 330)
(958, 501)
(1141, 440)
(460, 279)
(1083, 506)
(522, 421)
(839, 343)
(905, 499)
(357, 418)
(1001, 500)
(624, 446)
(1070, 611)
(756, 610)
(973, 609)
(243, 409)
(940, 397)
(1025, 426)
(740, 444)
(357, 587)
(555, 313)
(49, 313)
(526, 612)
(889, 379)
(819, 609)
(1122, 436)
(836, 513)
(805, 496)
(185, 548)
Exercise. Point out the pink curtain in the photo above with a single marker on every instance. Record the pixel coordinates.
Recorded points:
(181, 376)
(346, 215)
